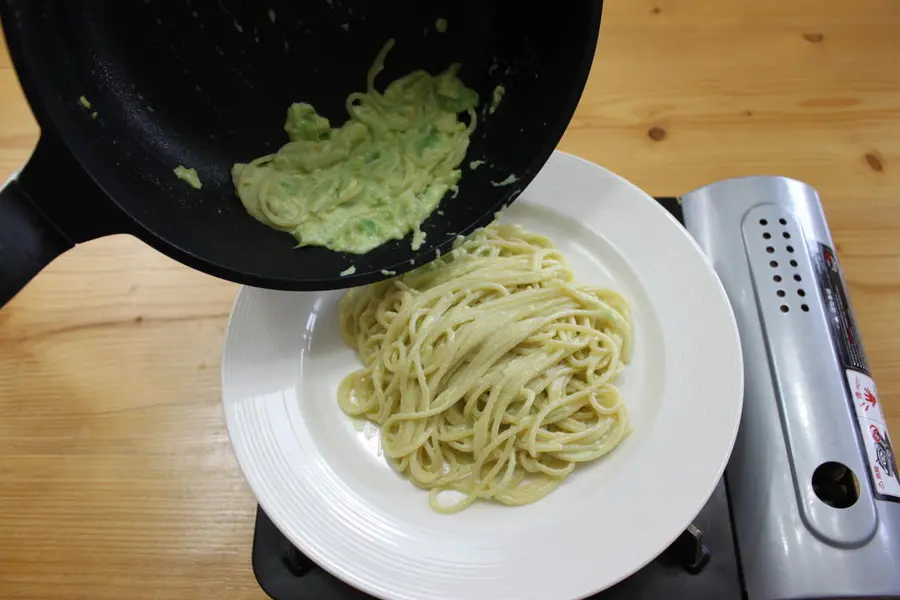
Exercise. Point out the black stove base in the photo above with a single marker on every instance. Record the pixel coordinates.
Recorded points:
(700, 565)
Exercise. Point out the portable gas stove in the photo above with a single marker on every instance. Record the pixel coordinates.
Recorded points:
(810, 503)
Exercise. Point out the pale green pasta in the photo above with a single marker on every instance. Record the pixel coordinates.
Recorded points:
(374, 179)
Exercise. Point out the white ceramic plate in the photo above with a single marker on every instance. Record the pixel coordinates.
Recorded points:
(320, 476)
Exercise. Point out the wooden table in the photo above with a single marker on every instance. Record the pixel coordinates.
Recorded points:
(116, 476)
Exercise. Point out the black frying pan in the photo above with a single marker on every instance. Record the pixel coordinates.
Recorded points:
(206, 83)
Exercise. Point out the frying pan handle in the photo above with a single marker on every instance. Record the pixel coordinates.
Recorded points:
(46, 209)
(28, 240)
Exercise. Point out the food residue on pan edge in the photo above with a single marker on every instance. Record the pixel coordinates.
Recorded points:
(508, 181)
(85, 102)
(348, 271)
(496, 97)
(189, 176)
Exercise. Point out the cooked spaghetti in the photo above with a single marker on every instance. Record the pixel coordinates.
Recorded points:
(491, 371)
(375, 178)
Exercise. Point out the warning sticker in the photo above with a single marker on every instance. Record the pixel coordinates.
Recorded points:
(870, 418)
(843, 327)
(852, 357)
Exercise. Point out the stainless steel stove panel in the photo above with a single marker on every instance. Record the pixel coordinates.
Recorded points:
(805, 528)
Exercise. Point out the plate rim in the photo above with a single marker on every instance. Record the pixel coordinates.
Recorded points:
(336, 570)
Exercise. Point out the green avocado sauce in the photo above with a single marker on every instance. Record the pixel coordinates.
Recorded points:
(375, 178)
(189, 176)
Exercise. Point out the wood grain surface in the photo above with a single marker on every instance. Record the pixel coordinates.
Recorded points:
(116, 476)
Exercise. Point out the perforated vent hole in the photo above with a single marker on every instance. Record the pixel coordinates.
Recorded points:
(780, 263)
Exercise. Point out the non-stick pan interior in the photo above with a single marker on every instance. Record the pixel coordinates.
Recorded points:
(207, 83)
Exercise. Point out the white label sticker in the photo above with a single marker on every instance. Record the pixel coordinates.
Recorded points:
(874, 433)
